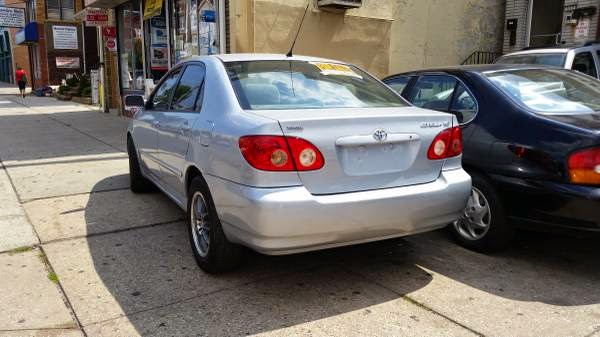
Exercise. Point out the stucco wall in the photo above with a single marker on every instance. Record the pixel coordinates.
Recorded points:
(428, 33)
(359, 36)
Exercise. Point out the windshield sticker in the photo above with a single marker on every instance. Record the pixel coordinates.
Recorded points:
(335, 69)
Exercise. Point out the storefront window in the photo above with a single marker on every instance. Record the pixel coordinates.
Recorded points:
(157, 40)
(194, 28)
(130, 46)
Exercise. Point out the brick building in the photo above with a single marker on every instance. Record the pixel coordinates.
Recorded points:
(54, 40)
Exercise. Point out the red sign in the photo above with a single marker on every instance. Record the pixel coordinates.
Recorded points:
(96, 17)
(109, 31)
(111, 44)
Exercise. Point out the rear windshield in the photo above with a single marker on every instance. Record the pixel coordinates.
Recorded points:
(548, 59)
(550, 91)
(284, 85)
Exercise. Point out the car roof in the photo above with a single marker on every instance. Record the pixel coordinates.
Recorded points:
(477, 68)
(540, 51)
(263, 57)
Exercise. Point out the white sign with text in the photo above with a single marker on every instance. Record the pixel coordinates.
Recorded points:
(12, 17)
(65, 37)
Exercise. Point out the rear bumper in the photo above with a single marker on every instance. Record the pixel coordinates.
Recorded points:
(289, 220)
(535, 202)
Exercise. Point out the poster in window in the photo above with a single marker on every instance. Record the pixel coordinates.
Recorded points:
(207, 29)
(158, 44)
(63, 62)
(65, 37)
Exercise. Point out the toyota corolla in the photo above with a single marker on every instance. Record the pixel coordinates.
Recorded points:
(291, 154)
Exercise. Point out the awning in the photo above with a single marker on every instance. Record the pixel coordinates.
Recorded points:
(104, 3)
(27, 35)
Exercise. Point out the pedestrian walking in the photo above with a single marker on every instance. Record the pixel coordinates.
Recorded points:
(21, 78)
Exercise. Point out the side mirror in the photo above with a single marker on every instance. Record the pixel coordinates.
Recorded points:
(133, 104)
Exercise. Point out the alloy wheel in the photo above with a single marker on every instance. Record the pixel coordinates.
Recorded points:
(200, 222)
(476, 218)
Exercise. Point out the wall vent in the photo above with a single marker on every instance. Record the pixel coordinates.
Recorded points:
(339, 4)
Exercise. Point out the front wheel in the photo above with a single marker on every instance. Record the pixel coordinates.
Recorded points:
(483, 226)
(213, 252)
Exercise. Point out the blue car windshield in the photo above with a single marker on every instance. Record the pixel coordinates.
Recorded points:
(285, 85)
(550, 91)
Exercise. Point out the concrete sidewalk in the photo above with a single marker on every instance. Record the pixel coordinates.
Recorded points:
(101, 261)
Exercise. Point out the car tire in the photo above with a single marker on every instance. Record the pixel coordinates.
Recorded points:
(469, 231)
(137, 182)
(213, 252)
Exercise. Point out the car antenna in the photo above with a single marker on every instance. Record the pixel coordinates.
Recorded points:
(290, 53)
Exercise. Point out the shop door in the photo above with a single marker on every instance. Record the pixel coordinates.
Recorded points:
(92, 55)
(546, 23)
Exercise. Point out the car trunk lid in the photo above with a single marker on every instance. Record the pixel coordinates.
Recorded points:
(366, 148)
(590, 122)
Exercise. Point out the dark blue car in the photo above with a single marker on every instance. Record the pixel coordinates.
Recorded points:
(531, 144)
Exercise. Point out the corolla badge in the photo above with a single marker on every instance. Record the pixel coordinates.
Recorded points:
(427, 125)
(380, 135)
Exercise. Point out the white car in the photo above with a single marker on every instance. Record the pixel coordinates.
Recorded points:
(585, 59)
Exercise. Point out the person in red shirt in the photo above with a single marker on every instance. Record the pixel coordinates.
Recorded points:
(21, 78)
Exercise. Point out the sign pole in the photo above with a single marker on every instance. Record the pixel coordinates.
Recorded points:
(103, 104)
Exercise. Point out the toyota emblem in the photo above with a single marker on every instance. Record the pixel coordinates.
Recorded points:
(380, 135)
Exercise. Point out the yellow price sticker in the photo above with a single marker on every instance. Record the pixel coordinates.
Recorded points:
(335, 69)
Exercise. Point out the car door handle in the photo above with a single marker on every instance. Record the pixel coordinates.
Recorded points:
(206, 134)
(185, 128)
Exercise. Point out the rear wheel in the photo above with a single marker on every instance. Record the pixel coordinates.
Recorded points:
(483, 226)
(137, 182)
(213, 252)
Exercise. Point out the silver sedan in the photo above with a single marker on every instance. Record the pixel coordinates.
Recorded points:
(291, 154)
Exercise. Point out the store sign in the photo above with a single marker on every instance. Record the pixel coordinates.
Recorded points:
(12, 17)
(582, 30)
(65, 37)
(111, 44)
(97, 17)
(67, 62)
(208, 15)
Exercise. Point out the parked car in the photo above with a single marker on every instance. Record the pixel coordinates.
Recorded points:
(292, 154)
(531, 144)
(585, 59)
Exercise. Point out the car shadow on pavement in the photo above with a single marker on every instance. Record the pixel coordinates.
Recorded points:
(149, 275)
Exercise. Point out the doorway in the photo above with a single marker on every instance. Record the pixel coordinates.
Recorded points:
(546, 22)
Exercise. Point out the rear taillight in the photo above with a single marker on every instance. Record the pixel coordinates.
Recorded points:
(584, 167)
(446, 144)
(279, 153)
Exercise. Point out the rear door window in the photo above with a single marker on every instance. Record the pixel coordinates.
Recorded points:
(464, 105)
(584, 63)
(433, 92)
(398, 83)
